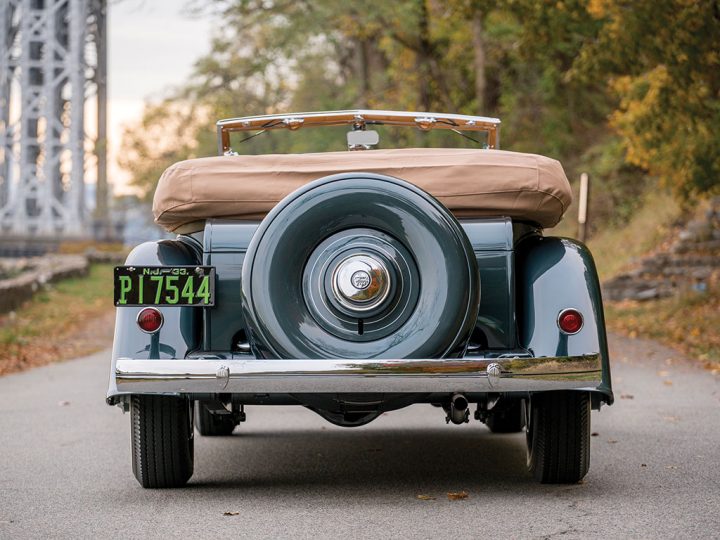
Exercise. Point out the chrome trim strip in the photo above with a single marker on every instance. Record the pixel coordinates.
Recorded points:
(367, 375)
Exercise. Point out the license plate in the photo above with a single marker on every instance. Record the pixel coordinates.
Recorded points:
(164, 286)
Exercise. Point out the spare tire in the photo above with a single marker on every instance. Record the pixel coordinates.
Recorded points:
(360, 265)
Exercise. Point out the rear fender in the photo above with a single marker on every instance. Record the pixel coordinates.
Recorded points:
(555, 274)
(181, 329)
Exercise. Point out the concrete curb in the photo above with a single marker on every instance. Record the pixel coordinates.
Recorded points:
(39, 272)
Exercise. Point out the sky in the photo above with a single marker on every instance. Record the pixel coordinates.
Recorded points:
(152, 46)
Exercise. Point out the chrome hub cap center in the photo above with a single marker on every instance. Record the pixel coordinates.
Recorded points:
(361, 282)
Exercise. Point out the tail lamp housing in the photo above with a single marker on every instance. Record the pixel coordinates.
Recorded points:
(150, 320)
(570, 321)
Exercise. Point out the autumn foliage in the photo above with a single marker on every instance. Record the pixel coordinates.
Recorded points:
(621, 89)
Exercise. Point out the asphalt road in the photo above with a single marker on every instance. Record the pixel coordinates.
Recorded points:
(655, 469)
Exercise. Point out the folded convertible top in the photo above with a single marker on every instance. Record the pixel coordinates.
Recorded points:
(470, 183)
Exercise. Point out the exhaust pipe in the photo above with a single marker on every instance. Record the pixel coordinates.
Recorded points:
(459, 411)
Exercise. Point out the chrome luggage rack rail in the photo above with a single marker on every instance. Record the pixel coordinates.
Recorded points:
(358, 119)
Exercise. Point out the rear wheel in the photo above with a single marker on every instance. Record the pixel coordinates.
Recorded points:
(210, 424)
(558, 436)
(162, 441)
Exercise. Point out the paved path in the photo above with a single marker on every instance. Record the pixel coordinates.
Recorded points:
(655, 470)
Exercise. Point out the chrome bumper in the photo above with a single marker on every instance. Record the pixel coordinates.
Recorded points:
(258, 376)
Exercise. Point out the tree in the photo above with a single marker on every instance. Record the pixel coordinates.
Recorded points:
(662, 58)
(610, 86)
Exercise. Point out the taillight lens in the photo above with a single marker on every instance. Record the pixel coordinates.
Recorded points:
(150, 320)
(570, 321)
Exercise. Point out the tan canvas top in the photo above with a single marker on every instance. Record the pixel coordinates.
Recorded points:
(471, 183)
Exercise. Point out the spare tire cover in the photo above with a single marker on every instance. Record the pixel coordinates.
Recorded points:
(359, 265)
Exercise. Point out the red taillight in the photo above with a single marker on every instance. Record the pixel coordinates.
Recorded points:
(570, 321)
(150, 320)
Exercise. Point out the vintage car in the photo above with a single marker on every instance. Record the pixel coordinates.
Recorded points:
(359, 282)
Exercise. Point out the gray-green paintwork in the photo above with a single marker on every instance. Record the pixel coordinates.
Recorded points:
(181, 329)
(550, 274)
(273, 304)
(555, 274)
(226, 242)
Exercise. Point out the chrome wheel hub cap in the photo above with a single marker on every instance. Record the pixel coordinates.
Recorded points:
(361, 283)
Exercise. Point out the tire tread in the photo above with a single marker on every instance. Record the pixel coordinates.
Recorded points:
(162, 444)
(559, 449)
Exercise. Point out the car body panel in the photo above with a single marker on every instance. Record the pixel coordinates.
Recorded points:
(555, 274)
(524, 285)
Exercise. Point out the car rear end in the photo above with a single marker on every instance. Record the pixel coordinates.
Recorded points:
(357, 294)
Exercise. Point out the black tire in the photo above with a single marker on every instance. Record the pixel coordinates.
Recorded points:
(162, 441)
(558, 437)
(508, 418)
(209, 424)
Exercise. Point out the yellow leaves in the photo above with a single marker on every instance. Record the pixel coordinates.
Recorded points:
(688, 323)
(598, 8)
(73, 319)
(663, 58)
(451, 495)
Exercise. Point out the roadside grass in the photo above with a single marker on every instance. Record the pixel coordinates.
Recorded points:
(652, 226)
(71, 318)
(689, 323)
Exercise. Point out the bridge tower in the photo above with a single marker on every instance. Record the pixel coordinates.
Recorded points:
(52, 72)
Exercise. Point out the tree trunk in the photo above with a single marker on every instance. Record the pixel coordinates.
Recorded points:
(479, 61)
(364, 65)
(424, 58)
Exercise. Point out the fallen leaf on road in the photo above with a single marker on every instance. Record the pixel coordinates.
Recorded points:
(425, 497)
(612, 441)
(663, 373)
(627, 396)
(594, 434)
(457, 495)
(671, 418)
(63, 403)
(231, 513)
(667, 382)
(643, 465)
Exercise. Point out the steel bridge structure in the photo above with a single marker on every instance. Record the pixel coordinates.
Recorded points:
(53, 58)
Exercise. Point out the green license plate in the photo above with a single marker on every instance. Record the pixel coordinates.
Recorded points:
(164, 286)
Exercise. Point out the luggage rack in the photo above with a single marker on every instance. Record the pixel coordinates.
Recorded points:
(358, 119)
